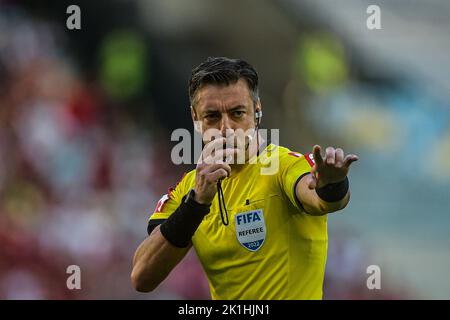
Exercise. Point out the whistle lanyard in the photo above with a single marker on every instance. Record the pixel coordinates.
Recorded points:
(222, 203)
(220, 196)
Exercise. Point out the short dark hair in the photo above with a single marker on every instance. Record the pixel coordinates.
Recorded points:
(225, 71)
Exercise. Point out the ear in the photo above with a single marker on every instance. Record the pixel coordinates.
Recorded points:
(197, 123)
(258, 110)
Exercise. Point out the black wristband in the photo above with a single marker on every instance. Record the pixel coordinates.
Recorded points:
(179, 228)
(334, 191)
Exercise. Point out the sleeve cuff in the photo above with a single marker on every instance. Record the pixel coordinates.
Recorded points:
(297, 200)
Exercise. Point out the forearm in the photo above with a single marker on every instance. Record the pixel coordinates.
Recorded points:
(329, 207)
(314, 204)
(167, 244)
(153, 261)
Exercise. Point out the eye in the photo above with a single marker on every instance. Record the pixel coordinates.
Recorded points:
(238, 113)
(211, 116)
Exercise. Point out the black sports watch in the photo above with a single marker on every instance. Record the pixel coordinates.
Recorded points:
(190, 200)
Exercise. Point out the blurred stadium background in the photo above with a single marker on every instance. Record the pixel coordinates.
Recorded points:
(86, 118)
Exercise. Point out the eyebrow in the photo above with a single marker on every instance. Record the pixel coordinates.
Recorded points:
(210, 110)
(240, 106)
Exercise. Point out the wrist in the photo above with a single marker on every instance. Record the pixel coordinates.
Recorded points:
(333, 192)
(193, 199)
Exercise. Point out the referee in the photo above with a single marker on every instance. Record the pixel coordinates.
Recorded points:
(258, 236)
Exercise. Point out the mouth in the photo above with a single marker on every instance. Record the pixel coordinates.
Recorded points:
(242, 143)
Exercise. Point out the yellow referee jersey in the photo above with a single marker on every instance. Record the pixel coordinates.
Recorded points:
(271, 248)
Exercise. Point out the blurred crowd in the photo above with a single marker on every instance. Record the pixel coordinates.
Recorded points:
(78, 176)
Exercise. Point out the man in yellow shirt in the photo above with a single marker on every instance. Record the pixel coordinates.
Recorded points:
(259, 233)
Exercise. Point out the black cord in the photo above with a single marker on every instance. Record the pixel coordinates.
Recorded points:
(257, 141)
(222, 202)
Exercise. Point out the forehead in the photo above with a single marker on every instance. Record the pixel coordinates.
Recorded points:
(219, 96)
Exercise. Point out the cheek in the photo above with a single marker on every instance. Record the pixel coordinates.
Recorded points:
(248, 121)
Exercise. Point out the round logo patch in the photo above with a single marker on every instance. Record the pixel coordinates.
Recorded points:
(250, 229)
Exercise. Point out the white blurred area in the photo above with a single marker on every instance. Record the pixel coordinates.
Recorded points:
(81, 169)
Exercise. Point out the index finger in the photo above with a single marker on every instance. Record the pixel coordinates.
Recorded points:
(216, 144)
(317, 156)
(221, 156)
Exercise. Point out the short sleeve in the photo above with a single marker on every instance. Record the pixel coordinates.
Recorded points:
(293, 166)
(168, 203)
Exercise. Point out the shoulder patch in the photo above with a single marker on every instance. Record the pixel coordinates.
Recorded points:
(161, 202)
(310, 158)
(167, 196)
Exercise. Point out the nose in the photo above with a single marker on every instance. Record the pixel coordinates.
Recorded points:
(225, 125)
